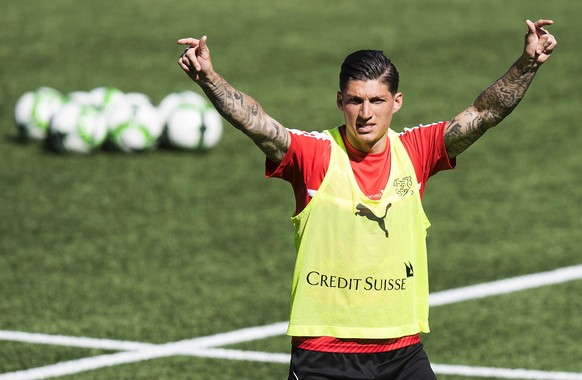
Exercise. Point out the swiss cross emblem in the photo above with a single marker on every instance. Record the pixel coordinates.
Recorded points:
(403, 185)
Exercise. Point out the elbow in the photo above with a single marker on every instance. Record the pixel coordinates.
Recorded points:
(491, 119)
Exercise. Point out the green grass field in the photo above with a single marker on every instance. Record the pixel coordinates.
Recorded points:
(167, 246)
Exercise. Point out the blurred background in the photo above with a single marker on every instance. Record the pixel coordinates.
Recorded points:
(163, 245)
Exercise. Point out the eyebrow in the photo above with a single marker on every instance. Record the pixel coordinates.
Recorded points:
(375, 97)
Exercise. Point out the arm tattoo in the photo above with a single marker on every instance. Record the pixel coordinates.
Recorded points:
(499, 99)
(489, 109)
(461, 135)
(247, 115)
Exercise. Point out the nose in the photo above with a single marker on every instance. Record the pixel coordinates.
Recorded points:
(365, 111)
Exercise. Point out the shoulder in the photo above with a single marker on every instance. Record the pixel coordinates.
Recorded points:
(309, 137)
(304, 165)
(424, 140)
(307, 150)
(424, 132)
(426, 149)
(308, 145)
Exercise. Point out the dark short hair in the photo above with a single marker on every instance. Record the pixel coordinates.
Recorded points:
(369, 65)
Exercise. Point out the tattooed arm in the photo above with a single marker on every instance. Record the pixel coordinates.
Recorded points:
(238, 108)
(498, 100)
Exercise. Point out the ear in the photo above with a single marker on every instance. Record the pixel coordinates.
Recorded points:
(340, 101)
(398, 99)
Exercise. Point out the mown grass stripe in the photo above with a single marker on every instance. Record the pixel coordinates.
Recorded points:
(204, 346)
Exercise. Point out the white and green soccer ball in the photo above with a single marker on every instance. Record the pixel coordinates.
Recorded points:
(191, 122)
(77, 128)
(138, 99)
(81, 97)
(105, 96)
(34, 111)
(173, 101)
(134, 126)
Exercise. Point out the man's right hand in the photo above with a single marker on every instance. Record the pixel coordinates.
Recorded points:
(195, 60)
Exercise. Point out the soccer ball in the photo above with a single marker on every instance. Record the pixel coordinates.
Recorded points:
(173, 101)
(99, 97)
(134, 127)
(103, 96)
(34, 110)
(77, 128)
(138, 99)
(81, 97)
(191, 123)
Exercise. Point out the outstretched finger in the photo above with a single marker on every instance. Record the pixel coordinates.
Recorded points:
(188, 41)
(538, 26)
(541, 23)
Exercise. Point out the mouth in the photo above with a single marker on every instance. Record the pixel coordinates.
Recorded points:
(365, 127)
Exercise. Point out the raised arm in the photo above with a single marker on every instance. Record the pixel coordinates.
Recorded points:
(238, 108)
(498, 100)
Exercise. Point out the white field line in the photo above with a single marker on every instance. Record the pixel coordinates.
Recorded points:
(71, 341)
(508, 285)
(221, 339)
(193, 347)
(204, 346)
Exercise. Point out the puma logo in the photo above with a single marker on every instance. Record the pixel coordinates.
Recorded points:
(367, 213)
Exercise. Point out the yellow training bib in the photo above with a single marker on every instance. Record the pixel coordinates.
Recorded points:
(361, 268)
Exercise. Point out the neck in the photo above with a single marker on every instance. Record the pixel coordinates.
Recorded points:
(373, 147)
(368, 147)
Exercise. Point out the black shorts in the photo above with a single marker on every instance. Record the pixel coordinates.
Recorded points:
(405, 363)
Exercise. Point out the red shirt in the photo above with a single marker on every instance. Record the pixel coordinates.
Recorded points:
(305, 165)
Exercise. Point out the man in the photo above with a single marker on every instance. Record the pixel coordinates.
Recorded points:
(360, 289)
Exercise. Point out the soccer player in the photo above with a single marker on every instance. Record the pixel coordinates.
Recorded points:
(360, 289)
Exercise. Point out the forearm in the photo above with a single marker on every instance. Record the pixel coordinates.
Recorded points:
(500, 99)
(247, 115)
(239, 109)
(491, 106)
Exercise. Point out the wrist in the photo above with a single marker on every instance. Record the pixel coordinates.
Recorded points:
(208, 79)
(527, 65)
